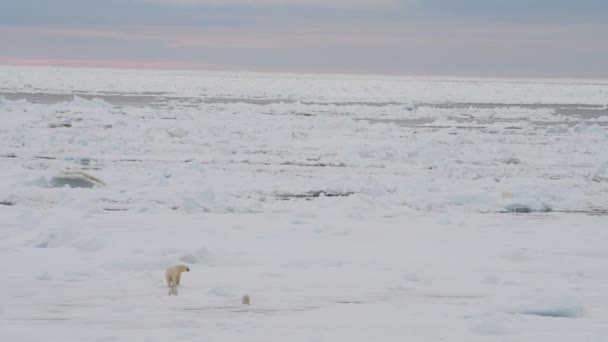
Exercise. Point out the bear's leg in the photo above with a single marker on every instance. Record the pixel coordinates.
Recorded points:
(169, 281)
(177, 279)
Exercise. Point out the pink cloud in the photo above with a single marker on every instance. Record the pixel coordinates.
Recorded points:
(103, 63)
(186, 43)
(330, 35)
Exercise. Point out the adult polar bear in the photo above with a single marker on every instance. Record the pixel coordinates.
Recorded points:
(174, 274)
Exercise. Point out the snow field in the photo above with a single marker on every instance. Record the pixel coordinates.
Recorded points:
(348, 208)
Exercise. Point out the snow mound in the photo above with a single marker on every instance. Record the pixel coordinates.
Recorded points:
(222, 291)
(498, 324)
(44, 276)
(91, 245)
(197, 257)
(47, 240)
(563, 307)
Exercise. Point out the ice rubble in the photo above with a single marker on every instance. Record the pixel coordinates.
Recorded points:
(486, 164)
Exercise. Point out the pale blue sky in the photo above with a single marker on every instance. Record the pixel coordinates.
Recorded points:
(418, 37)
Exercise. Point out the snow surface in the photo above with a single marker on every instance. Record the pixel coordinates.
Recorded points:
(350, 208)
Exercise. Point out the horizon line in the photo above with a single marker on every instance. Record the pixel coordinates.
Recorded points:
(112, 64)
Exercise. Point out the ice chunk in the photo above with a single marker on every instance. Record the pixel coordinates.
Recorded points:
(75, 179)
(600, 173)
(50, 240)
(204, 200)
(519, 208)
(60, 124)
(410, 107)
(85, 161)
(509, 160)
(525, 209)
(7, 202)
(92, 103)
(176, 132)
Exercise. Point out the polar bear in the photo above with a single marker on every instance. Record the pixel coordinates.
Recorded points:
(174, 274)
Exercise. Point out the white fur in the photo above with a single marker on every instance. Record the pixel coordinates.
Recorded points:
(174, 274)
(246, 299)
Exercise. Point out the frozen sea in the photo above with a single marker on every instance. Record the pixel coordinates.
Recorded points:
(349, 208)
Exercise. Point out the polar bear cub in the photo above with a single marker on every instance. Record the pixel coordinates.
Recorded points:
(174, 274)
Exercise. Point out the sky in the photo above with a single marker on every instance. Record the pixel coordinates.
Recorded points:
(540, 38)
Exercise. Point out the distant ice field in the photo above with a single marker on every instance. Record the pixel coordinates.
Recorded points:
(524, 145)
(351, 208)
